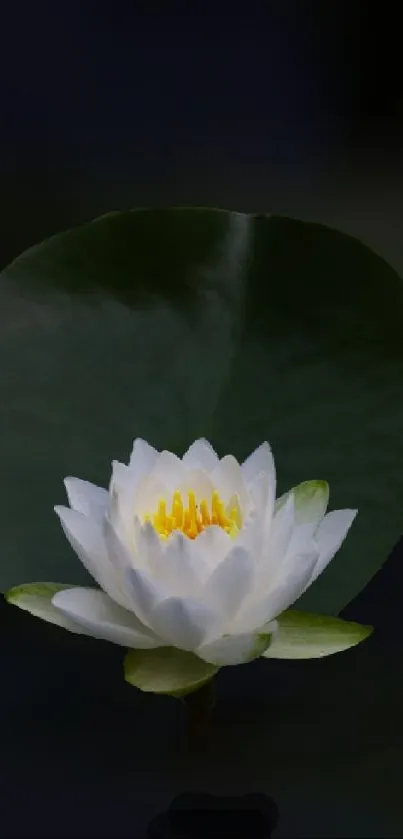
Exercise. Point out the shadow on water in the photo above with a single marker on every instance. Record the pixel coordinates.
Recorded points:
(202, 815)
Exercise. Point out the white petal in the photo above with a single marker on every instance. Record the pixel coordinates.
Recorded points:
(281, 530)
(236, 649)
(229, 584)
(282, 595)
(122, 492)
(311, 500)
(269, 561)
(184, 622)
(257, 527)
(143, 457)
(201, 455)
(168, 470)
(120, 479)
(228, 481)
(86, 498)
(102, 618)
(253, 536)
(127, 483)
(149, 492)
(87, 540)
(262, 493)
(197, 481)
(261, 460)
(301, 537)
(329, 537)
(148, 548)
(214, 544)
(181, 566)
(174, 563)
(145, 594)
(118, 552)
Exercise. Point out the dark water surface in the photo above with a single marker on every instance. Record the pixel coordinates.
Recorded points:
(84, 754)
(296, 111)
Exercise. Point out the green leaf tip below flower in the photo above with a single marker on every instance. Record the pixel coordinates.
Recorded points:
(167, 670)
(263, 642)
(26, 591)
(36, 598)
(302, 635)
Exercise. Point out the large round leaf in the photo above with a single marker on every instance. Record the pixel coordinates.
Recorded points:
(173, 324)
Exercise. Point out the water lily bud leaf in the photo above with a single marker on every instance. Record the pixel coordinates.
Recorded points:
(303, 635)
(167, 670)
(36, 598)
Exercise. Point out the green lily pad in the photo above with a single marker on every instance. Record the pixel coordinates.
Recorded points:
(303, 635)
(175, 324)
(167, 670)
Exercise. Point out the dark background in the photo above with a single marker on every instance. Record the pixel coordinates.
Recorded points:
(294, 108)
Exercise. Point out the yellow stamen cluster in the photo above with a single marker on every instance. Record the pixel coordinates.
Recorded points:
(194, 518)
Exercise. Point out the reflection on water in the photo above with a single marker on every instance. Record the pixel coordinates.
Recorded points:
(204, 815)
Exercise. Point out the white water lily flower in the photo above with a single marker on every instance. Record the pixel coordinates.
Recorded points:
(194, 553)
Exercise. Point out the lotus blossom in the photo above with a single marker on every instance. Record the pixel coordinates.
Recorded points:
(194, 552)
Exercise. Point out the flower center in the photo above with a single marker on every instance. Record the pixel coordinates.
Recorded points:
(194, 518)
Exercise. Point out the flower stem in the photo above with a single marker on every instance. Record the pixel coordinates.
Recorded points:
(199, 706)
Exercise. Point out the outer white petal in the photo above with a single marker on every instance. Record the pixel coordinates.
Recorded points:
(122, 493)
(281, 532)
(214, 544)
(329, 537)
(262, 493)
(120, 555)
(283, 593)
(228, 479)
(133, 487)
(201, 455)
(279, 538)
(254, 536)
(237, 649)
(175, 563)
(261, 460)
(311, 500)
(120, 479)
(87, 540)
(87, 498)
(149, 492)
(259, 473)
(145, 594)
(181, 566)
(102, 618)
(168, 470)
(184, 622)
(143, 457)
(229, 584)
(199, 482)
(173, 567)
